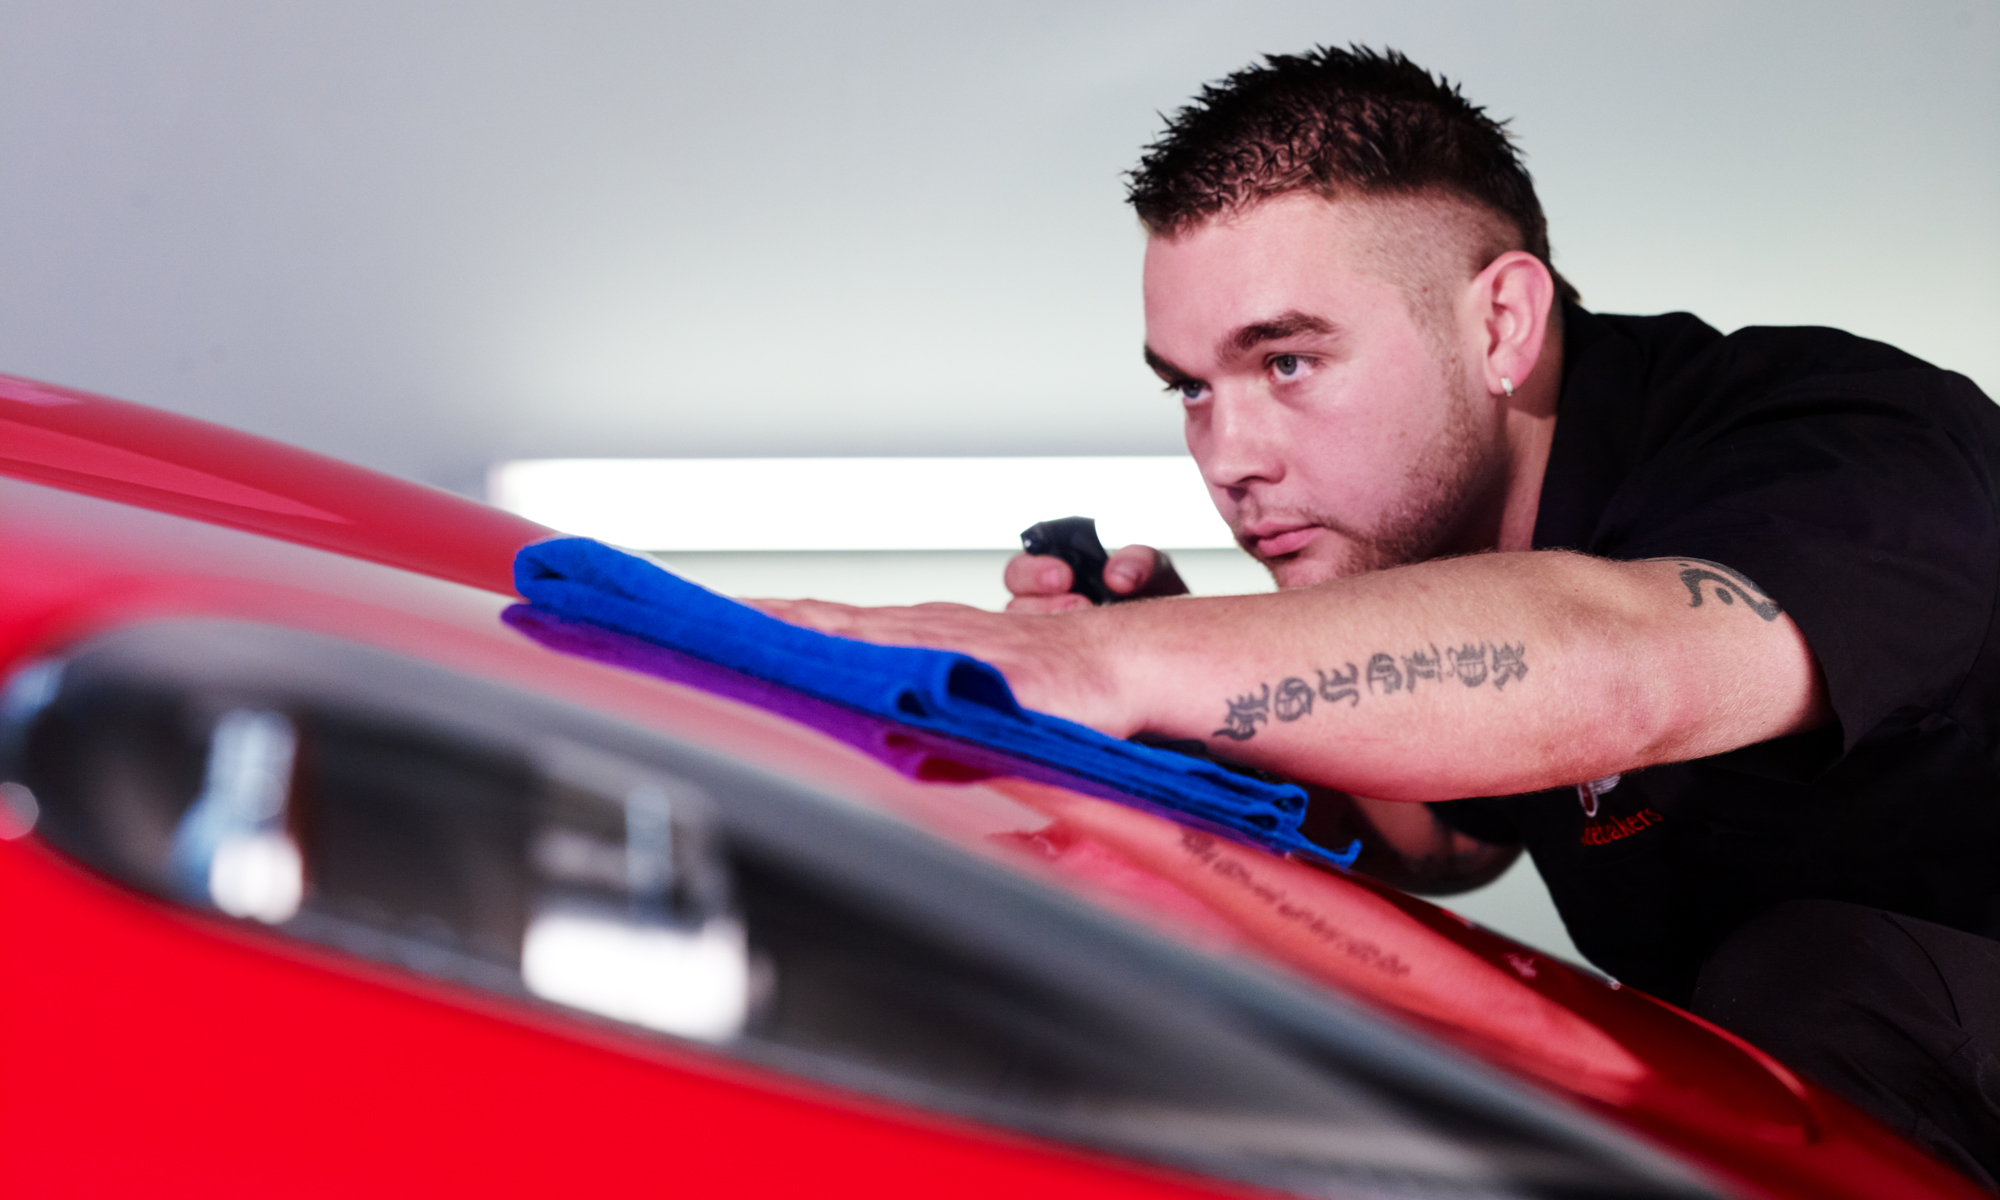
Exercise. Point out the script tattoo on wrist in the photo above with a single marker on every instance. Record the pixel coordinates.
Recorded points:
(1469, 664)
(1246, 712)
(1727, 585)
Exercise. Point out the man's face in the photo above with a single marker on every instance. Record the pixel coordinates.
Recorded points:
(1337, 434)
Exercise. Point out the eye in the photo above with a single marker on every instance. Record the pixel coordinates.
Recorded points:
(1288, 366)
(1189, 390)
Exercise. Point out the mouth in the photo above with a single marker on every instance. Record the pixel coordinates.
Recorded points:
(1275, 541)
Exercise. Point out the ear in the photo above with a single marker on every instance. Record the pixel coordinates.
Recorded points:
(1513, 298)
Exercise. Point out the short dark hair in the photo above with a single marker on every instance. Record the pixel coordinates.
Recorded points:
(1339, 123)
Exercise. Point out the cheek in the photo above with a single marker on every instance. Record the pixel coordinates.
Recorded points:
(1356, 475)
(1199, 434)
(1371, 441)
(1338, 461)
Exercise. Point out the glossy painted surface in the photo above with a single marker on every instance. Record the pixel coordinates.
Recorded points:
(175, 464)
(141, 1044)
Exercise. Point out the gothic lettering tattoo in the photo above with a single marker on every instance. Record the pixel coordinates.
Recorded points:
(1473, 664)
(1419, 665)
(1340, 685)
(1294, 699)
(1246, 712)
(1729, 587)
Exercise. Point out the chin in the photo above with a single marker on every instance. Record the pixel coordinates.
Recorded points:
(1298, 573)
(1345, 559)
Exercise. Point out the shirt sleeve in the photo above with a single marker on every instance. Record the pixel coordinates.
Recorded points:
(1862, 506)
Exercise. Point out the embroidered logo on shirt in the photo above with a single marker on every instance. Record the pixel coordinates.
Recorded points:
(1611, 828)
(1601, 833)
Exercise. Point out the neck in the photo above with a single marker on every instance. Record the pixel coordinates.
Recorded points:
(1530, 430)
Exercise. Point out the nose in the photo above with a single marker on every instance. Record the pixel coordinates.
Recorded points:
(1238, 442)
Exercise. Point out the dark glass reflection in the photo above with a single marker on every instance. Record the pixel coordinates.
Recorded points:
(399, 811)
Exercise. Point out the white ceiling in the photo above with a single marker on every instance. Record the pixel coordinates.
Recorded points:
(429, 236)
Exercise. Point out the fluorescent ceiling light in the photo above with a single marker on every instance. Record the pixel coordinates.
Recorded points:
(774, 504)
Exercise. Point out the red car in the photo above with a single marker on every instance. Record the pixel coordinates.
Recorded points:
(318, 877)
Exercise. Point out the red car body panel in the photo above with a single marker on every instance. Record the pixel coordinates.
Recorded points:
(143, 1046)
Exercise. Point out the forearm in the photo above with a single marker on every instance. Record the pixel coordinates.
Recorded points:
(1483, 675)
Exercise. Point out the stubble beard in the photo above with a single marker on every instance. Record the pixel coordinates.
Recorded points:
(1443, 488)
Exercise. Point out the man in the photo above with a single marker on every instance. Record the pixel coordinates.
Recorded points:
(1707, 622)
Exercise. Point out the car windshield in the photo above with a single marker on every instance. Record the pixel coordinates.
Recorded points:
(393, 809)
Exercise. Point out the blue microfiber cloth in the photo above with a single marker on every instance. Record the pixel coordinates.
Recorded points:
(935, 690)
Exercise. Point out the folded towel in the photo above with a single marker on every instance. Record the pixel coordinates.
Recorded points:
(940, 692)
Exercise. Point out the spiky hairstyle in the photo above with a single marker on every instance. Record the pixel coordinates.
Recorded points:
(1339, 123)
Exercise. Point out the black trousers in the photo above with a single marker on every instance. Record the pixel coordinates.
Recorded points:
(1899, 1016)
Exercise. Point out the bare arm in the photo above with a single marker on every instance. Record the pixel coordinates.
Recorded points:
(1485, 675)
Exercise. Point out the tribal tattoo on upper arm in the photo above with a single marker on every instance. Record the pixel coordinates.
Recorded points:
(1471, 665)
(1727, 585)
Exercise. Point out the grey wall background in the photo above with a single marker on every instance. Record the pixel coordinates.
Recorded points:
(427, 235)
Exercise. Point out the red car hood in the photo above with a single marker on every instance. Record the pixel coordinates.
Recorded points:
(112, 513)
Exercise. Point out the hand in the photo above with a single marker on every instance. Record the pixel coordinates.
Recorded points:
(1040, 583)
(1054, 664)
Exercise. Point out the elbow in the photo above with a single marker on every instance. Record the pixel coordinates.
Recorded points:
(1658, 706)
(1641, 710)
(1645, 725)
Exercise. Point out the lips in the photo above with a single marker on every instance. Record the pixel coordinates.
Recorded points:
(1274, 541)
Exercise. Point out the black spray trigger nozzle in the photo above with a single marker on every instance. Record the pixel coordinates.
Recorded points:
(1074, 540)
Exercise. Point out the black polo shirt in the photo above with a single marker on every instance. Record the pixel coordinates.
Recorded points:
(1856, 486)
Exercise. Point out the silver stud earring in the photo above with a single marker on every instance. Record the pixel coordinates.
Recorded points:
(1506, 385)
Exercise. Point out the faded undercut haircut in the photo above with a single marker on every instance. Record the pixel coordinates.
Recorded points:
(1342, 124)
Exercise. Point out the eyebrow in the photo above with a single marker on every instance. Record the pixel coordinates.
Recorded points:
(1249, 337)
(1278, 328)
(1165, 369)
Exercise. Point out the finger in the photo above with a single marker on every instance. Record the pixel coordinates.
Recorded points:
(1130, 569)
(822, 615)
(1165, 581)
(1037, 575)
(1063, 602)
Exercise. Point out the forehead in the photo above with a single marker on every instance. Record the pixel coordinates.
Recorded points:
(1287, 234)
(1294, 253)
